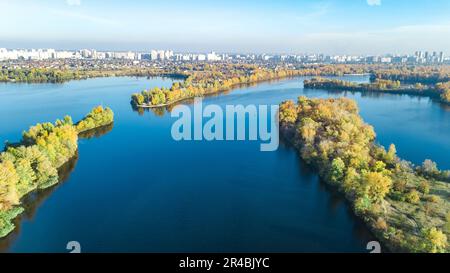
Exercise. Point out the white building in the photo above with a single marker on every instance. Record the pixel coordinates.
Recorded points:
(212, 57)
(124, 55)
(386, 60)
(64, 55)
(153, 55)
(86, 53)
(3, 54)
(168, 54)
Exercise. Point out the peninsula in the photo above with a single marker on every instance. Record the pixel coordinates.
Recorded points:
(439, 91)
(405, 206)
(33, 163)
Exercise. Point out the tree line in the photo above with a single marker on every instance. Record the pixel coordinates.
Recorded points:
(56, 75)
(440, 90)
(210, 79)
(414, 74)
(377, 85)
(205, 83)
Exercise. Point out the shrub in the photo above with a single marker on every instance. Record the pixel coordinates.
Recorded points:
(413, 197)
(434, 199)
(433, 240)
(424, 187)
(381, 224)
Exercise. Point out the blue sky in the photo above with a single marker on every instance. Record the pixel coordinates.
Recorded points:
(296, 26)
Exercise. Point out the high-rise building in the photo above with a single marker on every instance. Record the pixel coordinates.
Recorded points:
(441, 57)
(161, 55)
(212, 57)
(153, 55)
(86, 53)
(168, 54)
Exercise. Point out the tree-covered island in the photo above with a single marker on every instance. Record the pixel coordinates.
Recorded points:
(33, 163)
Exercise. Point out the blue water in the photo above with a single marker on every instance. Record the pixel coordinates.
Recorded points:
(135, 189)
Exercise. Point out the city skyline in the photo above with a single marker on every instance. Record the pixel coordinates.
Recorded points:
(206, 51)
(363, 27)
(419, 57)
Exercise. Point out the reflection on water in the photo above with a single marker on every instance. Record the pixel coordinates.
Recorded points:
(32, 201)
(336, 199)
(161, 111)
(378, 95)
(97, 132)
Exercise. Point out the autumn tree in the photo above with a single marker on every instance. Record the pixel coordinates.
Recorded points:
(8, 185)
(375, 185)
(433, 240)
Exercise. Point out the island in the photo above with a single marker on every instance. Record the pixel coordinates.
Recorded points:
(33, 163)
(405, 206)
(212, 79)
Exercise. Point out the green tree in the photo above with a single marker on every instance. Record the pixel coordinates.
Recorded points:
(8, 183)
(391, 154)
(288, 112)
(424, 187)
(447, 222)
(337, 170)
(433, 240)
(375, 186)
(413, 197)
(446, 96)
(362, 205)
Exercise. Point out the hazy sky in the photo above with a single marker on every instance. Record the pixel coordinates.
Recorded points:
(327, 26)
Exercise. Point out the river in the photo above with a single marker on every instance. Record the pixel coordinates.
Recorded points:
(135, 189)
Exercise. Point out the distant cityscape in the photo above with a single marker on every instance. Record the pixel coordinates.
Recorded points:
(419, 57)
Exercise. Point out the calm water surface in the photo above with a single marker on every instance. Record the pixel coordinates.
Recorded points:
(135, 189)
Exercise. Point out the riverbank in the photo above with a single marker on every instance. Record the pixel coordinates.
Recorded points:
(406, 207)
(379, 86)
(34, 163)
(51, 75)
